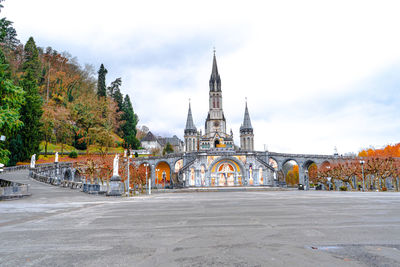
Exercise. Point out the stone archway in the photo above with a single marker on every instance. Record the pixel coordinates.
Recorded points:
(310, 172)
(143, 173)
(226, 172)
(68, 175)
(162, 173)
(291, 171)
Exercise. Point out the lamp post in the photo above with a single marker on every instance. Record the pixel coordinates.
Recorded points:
(306, 179)
(164, 175)
(2, 138)
(157, 170)
(146, 165)
(329, 179)
(362, 162)
(130, 156)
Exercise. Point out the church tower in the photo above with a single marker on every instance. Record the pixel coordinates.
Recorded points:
(215, 122)
(190, 133)
(246, 132)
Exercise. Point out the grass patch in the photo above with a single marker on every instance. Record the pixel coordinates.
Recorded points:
(53, 148)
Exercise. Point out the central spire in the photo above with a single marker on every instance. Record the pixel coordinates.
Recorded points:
(215, 80)
(246, 120)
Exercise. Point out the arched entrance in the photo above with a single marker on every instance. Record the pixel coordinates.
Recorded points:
(226, 173)
(163, 172)
(311, 169)
(290, 169)
(141, 174)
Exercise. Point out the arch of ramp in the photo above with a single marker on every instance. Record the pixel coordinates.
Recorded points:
(325, 164)
(178, 164)
(142, 169)
(287, 160)
(68, 175)
(308, 163)
(162, 166)
(273, 163)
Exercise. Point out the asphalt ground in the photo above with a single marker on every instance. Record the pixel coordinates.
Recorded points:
(64, 227)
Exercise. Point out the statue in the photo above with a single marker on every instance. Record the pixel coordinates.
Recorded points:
(115, 166)
(125, 151)
(56, 158)
(33, 161)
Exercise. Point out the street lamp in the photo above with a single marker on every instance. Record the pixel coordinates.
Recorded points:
(130, 156)
(164, 175)
(157, 170)
(329, 179)
(362, 162)
(146, 165)
(306, 179)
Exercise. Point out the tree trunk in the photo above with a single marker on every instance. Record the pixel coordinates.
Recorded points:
(45, 146)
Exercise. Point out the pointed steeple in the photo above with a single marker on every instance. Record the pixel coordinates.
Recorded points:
(215, 80)
(246, 126)
(190, 128)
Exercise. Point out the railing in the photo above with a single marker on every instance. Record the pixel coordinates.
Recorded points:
(10, 189)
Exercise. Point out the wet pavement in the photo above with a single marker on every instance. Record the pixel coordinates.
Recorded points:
(64, 227)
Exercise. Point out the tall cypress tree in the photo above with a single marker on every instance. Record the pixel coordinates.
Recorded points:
(101, 82)
(26, 143)
(129, 127)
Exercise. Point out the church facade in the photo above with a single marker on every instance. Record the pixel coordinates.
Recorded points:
(212, 158)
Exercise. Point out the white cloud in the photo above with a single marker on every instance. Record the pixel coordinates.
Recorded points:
(302, 64)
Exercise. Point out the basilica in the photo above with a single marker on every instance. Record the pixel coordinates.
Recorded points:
(215, 136)
(212, 158)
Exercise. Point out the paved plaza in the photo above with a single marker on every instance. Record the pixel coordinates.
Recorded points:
(63, 227)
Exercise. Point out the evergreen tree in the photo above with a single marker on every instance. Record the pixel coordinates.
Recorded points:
(168, 149)
(27, 141)
(8, 35)
(11, 100)
(101, 82)
(129, 127)
(114, 86)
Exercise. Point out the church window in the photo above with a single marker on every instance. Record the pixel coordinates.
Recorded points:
(213, 102)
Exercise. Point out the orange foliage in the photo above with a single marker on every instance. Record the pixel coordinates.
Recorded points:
(388, 151)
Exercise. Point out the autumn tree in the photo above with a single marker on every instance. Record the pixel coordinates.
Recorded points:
(292, 176)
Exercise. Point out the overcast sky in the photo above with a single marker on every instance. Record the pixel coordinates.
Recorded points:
(317, 74)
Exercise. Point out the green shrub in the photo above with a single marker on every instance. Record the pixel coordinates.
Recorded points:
(343, 188)
(73, 154)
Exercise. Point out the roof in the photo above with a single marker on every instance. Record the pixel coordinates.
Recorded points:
(215, 79)
(189, 121)
(246, 120)
(174, 141)
(149, 137)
